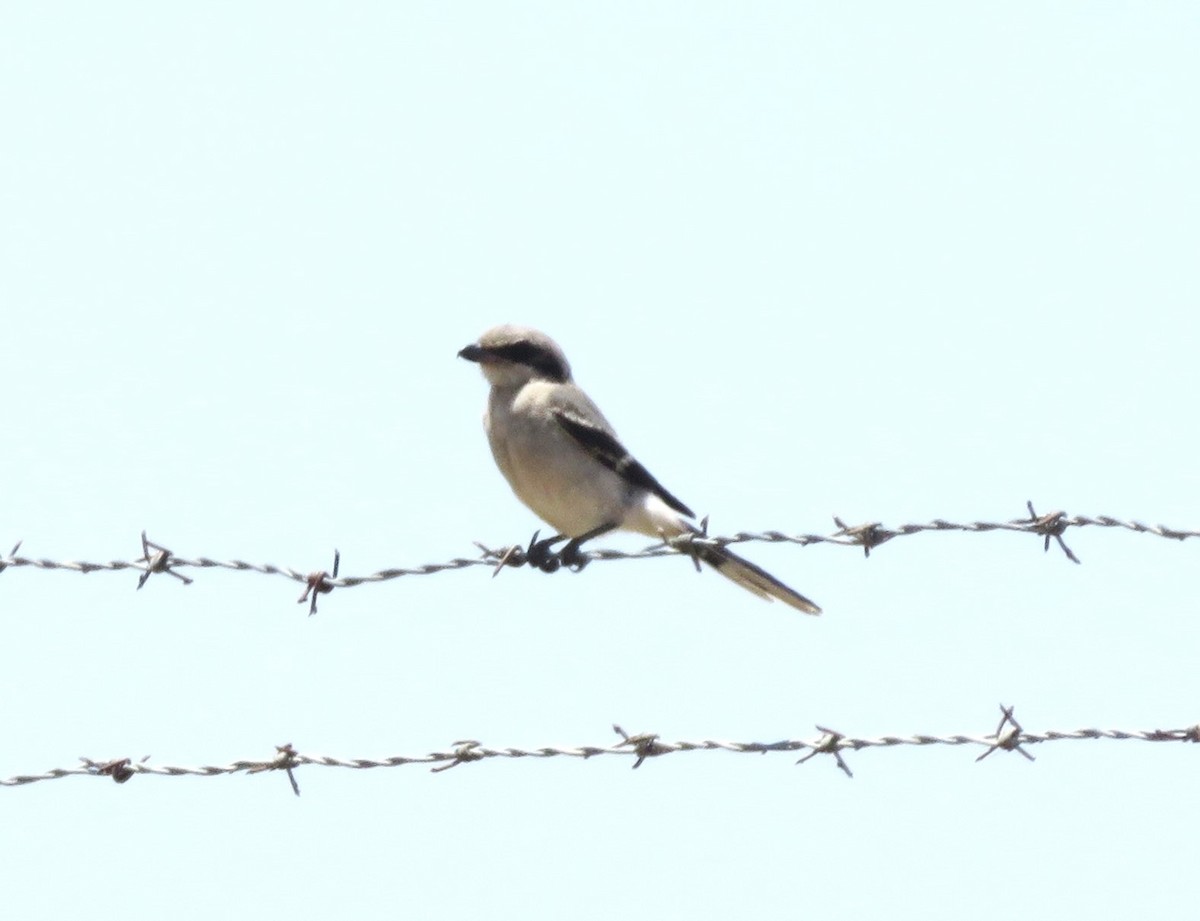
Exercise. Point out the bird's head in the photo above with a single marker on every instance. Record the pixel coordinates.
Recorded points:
(510, 356)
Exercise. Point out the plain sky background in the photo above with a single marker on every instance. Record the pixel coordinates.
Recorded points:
(886, 261)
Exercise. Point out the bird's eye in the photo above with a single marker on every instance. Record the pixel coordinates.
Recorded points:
(546, 363)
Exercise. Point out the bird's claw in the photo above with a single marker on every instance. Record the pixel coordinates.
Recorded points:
(541, 556)
(572, 557)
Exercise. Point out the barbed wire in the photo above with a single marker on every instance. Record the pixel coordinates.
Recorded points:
(158, 559)
(1008, 736)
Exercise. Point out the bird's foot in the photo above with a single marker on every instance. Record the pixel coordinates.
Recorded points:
(572, 557)
(541, 556)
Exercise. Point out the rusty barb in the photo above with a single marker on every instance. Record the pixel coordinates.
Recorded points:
(866, 536)
(318, 584)
(119, 769)
(1052, 524)
(645, 744)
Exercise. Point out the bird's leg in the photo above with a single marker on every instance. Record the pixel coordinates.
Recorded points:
(540, 555)
(570, 555)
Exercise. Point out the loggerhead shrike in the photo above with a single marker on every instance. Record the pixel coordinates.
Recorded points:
(564, 460)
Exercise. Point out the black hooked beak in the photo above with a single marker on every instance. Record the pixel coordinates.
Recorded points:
(473, 353)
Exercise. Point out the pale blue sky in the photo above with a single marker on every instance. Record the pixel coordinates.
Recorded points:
(885, 261)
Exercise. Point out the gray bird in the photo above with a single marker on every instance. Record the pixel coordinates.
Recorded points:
(564, 460)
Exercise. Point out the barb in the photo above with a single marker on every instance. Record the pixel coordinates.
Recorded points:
(16, 547)
(644, 744)
(1009, 736)
(159, 561)
(286, 760)
(318, 583)
(1052, 525)
(828, 744)
(120, 769)
(465, 752)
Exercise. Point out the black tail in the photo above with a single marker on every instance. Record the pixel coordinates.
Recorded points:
(752, 578)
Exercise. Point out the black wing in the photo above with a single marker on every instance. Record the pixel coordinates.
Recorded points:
(611, 453)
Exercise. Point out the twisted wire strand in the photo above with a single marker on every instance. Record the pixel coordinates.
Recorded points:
(268, 569)
(866, 536)
(1008, 736)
